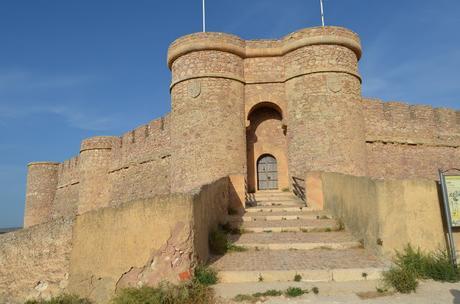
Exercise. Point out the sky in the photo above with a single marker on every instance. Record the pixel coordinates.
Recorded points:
(74, 69)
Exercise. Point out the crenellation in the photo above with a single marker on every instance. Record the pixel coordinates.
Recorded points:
(446, 120)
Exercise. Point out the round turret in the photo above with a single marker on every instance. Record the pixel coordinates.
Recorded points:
(207, 92)
(323, 92)
(42, 178)
(95, 157)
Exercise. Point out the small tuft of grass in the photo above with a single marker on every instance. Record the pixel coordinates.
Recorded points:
(341, 225)
(293, 292)
(261, 278)
(315, 290)
(186, 293)
(205, 275)
(218, 242)
(62, 299)
(285, 189)
(232, 211)
(244, 298)
(297, 278)
(235, 248)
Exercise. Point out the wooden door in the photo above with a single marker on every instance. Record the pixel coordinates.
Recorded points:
(267, 173)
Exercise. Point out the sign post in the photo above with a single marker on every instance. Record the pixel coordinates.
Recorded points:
(450, 186)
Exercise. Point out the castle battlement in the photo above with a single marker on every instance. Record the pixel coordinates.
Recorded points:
(413, 124)
(233, 101)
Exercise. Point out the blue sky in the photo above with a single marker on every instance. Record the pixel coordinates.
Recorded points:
(74, 69)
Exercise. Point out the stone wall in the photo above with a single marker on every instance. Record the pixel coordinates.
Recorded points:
(34, 262)
(140, 166)
(385, 214)
(141, 242)
(107, 172)
(405, 141)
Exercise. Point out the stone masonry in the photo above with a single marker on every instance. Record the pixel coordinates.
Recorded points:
(297, 98)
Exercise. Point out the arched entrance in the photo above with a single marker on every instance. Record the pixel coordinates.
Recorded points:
(267, 173)
(266, 148)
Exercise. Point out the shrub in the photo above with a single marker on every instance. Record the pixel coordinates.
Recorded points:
(62, 299)
(293, 292)
(439, 268)
(218, 242)
(166, 293)
(205, 275)
(297, 278)
(412, 265)
(401, 279)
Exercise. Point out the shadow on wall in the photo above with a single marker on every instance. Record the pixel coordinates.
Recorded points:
(385, 214)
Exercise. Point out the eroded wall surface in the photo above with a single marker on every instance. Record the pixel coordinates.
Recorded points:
(34, 262)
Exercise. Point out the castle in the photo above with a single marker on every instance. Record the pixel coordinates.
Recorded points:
(295, 102)
(248, 117)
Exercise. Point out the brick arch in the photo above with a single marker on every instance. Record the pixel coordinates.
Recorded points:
(265, 134)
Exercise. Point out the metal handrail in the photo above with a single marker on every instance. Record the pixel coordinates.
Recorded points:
(298, 188)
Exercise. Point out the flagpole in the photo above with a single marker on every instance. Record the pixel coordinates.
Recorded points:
(322, 12)
(204, 16)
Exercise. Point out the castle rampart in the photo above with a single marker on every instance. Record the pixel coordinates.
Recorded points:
(297, 99)
(406, 141)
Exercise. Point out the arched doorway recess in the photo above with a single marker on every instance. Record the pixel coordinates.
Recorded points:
(266, 137)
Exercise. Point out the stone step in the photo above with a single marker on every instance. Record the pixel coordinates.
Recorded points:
(333, 290)
(317, 265)
(296, 240)
(279, 215)
(302, 225)
(279, 209)
(274, 203)
(272, 194)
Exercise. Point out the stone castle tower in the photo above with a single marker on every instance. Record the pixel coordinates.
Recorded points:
(265, 110)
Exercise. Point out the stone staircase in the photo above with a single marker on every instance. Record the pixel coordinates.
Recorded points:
(282, 238)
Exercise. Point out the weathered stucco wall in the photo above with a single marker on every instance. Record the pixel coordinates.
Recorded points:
(210, 207)
(145, 241)
(385, 214)
(34, 262)
(111, 242)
